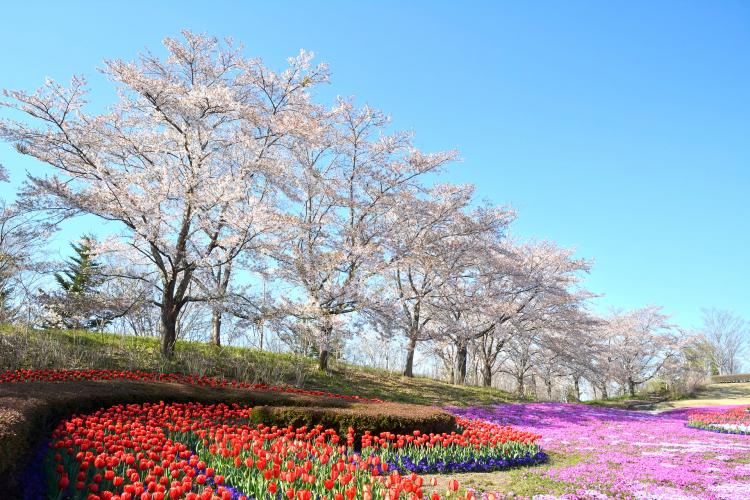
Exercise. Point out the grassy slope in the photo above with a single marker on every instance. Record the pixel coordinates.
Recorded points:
(525, 482)
(76, 349)
(642, 401)
(708, 395)
(712, 395)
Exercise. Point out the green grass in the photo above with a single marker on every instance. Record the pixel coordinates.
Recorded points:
(617, 401)
(81, 350)
(522, 482)
(639, 401)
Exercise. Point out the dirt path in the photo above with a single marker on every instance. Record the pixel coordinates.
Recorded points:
(712, 395)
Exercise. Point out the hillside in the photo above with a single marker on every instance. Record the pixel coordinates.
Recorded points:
(725, 394)
(80, 350)
(712, 395)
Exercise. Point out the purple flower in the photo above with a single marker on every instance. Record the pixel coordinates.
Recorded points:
(630, 454)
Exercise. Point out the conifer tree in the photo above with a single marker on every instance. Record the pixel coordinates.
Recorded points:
(76, 304)
(80, 276)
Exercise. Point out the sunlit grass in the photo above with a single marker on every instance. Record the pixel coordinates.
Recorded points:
(84, 349)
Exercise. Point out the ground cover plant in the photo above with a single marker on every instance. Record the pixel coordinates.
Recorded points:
(731, 421)
(190, 450)
(621, 454)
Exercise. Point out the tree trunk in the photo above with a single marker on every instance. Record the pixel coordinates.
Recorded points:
(410, 348)
(521, 387)
(222, 278)
(604, 391)
(324, 346)
(577, 387)
(548, 384)
(169, 315)
(323, 360)
(487, 374)
(216, 327)
(461, 355)
(631, 387)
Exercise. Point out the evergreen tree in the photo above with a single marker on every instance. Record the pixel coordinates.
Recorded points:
(80, 276)
(76, 304)
(7, 309)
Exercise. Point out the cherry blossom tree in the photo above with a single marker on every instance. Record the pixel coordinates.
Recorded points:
(726, 336)
(23, 234)
(641, 343)
(186, 162)
(429, 251)
(343, 206)
(528, 284)
(464, 302)
(547, 339)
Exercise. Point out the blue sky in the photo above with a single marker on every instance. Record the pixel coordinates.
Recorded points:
(621, 128)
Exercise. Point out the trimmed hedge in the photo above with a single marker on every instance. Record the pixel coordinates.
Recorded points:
(731, 379)
(376, 418)
(29, 411)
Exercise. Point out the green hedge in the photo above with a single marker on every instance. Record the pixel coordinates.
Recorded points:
(729, 379)
(376, 418)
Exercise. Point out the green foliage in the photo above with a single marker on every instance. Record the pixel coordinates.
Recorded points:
(376, 418)
(80, 277)
(77, 304)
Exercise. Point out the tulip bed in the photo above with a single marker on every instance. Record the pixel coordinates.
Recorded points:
(195, 451)
(481, 447)
(732, 421)
(213, 450)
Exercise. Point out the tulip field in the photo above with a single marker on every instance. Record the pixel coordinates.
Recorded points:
(193, 450)
(208, 451)
(731, 421)
(197, 451)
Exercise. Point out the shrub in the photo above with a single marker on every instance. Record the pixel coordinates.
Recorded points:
(730, 379)
(375, 418)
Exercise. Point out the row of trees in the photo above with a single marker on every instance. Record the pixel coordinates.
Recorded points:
(231, 191)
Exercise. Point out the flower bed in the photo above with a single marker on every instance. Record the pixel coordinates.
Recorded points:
(731, 421)
(192, 451)
(32, 401)
(606, 453)
(481, 447)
